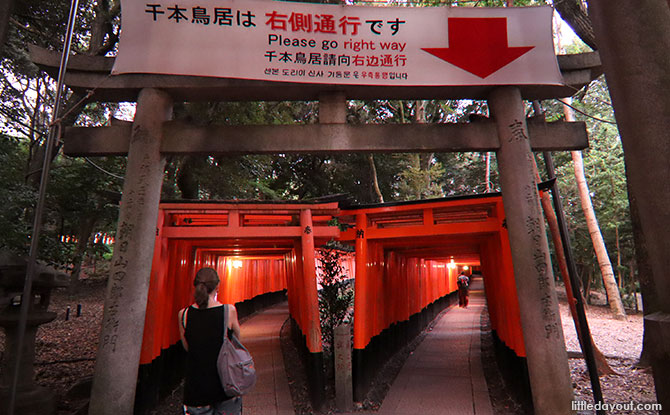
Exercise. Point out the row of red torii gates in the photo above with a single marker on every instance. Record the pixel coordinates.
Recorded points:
(407, 258)
(153, 135)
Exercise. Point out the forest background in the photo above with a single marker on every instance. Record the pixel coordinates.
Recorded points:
(83, 194)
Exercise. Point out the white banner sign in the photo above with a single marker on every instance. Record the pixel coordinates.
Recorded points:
(333, 44)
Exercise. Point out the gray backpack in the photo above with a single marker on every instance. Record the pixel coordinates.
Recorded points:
(463, 281)
(234, 364)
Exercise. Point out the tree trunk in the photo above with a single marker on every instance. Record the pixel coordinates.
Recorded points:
(650, 300)
(618, 257)
(86, 226)
(187, 180)
(6, 7)
(420, 112)
(98, 28)
(423, 160)
(577, 18)
(589, 283)
(614, 298)
(33, 164)
(103, 38)
(634, 41)
(36, 158)
(375, 182)
(631, 278)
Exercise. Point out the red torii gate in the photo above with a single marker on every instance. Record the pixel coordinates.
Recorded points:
(258, 249)
(407, 259)
(404, 272)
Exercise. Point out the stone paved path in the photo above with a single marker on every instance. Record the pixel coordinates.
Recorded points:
(260, 334)
(443, 376)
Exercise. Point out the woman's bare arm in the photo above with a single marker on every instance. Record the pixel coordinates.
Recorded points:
(235, 324)
(182, 329)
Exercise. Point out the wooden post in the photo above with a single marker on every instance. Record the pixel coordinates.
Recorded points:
(312, 328)
(360, 299)
(540, 319)
(361, 304)
(117, 362)
(312, 321)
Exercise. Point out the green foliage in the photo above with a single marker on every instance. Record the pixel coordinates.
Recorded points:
(605, 174)
(336, 294)
(464, 173)
(78, 190)
(417, 182)
(81, 200)
(305, 176)
(44, 23)
(252, 177)
(16, 198)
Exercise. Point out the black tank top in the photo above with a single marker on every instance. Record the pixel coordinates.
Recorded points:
(204, 336)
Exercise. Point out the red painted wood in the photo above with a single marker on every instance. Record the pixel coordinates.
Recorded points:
(401, 263)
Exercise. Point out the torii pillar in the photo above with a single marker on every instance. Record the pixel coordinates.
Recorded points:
(117, 362)
(540, 318)
(311, 321)
(361, 317)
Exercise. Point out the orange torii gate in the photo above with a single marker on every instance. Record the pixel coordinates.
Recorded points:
(260, 251)
(407, 258)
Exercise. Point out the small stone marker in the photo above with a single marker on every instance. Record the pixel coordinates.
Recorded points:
(344, 397)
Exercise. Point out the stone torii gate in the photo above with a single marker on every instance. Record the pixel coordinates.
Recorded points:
(152, 135)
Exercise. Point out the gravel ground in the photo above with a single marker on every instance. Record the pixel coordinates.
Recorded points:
(621, 342)
(615, 338)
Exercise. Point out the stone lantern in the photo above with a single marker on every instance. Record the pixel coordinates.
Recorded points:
(30, 398)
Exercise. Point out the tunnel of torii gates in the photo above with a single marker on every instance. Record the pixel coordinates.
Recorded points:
(406, 261)
(400, 250)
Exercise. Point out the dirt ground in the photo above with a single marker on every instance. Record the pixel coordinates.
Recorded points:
(621, 342)
(65, 353)
(65, 349)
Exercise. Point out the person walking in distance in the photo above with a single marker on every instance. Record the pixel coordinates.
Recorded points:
(201, 331)
(463, 283)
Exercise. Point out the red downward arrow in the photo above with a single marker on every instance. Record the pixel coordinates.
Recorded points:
(478, 45)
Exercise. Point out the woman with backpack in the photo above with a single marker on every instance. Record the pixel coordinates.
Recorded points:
(201, 331)
(463, 295)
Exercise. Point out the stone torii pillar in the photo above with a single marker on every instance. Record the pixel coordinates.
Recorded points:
(540, 318)
(117, 362)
